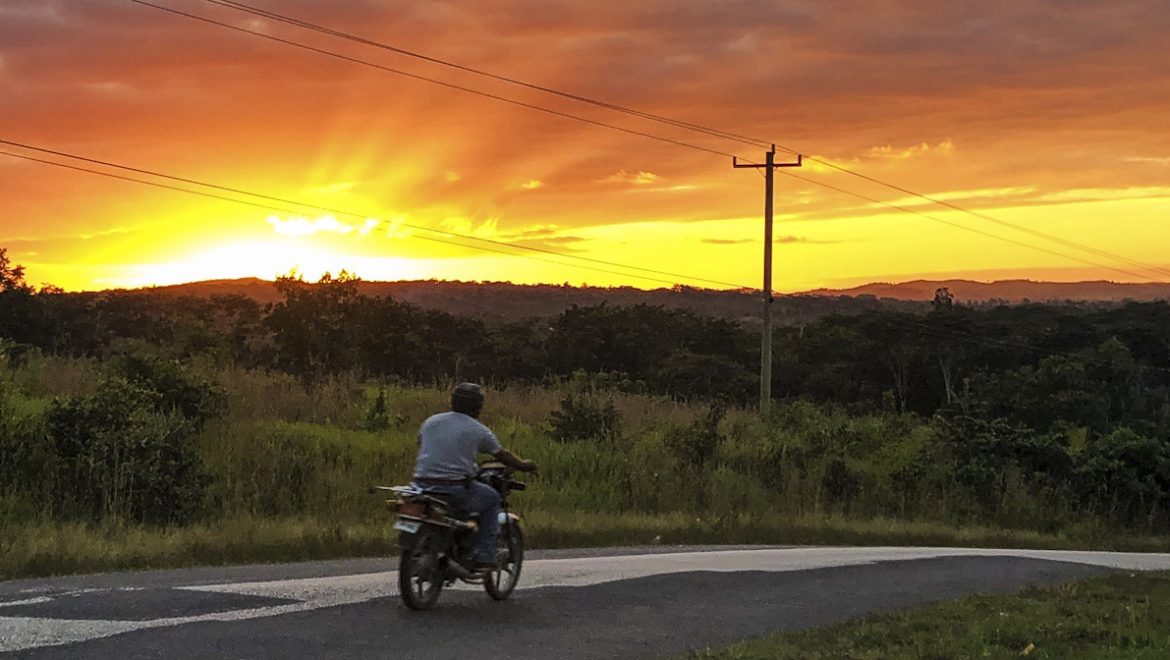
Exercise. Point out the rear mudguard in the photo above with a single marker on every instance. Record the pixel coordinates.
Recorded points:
(408, 539)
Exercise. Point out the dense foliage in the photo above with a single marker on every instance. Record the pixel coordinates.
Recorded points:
(125, 452)
(1037, 416)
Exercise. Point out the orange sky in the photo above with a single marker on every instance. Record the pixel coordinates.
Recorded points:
(1050, 115)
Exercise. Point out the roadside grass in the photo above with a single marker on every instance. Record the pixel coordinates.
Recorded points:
(54, 548)
(1119, 616)
(58, 548)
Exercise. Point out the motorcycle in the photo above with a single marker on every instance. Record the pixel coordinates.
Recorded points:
(436, 541)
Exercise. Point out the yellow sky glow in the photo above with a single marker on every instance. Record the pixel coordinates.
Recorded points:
(1052, 122)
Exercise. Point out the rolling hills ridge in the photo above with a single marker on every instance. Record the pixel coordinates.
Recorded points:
(504, 300)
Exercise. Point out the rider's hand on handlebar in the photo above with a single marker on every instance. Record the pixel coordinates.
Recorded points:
(529, 466)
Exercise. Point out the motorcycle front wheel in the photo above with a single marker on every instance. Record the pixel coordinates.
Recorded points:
(501, 582)
(420, 576)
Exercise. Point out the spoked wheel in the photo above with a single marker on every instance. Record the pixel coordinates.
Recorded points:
(501, 582)
(420, 576)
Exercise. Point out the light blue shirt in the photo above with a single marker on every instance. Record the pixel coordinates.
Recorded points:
(448, 444)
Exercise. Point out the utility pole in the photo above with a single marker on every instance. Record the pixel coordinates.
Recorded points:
(769, 166)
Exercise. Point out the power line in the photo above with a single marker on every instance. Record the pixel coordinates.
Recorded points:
(673, 122)
(304, 205)
(937, 331)
(530, 248)
(415, 76)
(257, 11)
(965, 227)
(677, 123)
(983, 216)
(291, 211)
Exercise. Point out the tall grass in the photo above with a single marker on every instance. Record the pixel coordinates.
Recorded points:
(290, 466)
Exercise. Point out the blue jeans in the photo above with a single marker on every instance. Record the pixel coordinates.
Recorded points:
(481, 499)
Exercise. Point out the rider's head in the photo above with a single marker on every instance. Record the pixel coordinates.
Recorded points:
(467, 398)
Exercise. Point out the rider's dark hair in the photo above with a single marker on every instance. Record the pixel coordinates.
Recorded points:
(467, 398)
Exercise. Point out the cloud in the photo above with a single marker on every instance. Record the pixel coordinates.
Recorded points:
(638, 178)
(994, 195)
(302, 227)
(945, 148)
(1103, 194)
(331, 188)
(537, 231)
(553, 243)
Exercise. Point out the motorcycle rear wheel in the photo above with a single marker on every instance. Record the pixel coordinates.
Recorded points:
(420, 575)
(500, 583)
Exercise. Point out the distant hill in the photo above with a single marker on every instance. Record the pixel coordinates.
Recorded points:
(1012, 291)
(507, 301)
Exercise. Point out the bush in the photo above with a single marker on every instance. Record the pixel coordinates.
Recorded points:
(178, 391)
(696, 444)
(379, 418)
(25, 457)
(117, 456)
(584, 417)
(1126, 476)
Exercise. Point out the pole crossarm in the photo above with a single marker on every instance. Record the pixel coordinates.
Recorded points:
(735, 163)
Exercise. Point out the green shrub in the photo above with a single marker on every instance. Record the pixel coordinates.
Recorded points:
(25, 459)
(117, 456)
(379, 418)
(697, 443)
(584, 417)
(179, 391)
(1126, 476)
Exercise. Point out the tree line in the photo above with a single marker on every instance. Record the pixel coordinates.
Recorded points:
(1076, 398)
(1090, 365)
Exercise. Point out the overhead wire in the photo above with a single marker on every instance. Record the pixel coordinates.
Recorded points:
(615, 107)
(435, 81)
(301, 205)
(983, 216)
(298, 208)
(687, 125)
(669, 121)
(481, 239)
(963, 227)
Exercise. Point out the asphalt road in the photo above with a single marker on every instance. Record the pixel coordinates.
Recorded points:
(626, 603)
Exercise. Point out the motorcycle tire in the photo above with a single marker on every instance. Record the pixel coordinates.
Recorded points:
(420, 575)
(500, 583)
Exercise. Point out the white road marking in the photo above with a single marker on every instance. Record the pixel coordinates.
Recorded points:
(26, 601)
(18, 633)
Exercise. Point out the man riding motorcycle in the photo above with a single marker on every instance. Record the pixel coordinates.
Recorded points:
(447, 447)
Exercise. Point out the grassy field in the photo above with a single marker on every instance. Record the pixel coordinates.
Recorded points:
(288, 467)
(1118, 617)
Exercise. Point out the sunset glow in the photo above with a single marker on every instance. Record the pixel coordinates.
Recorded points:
(1048, 117)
